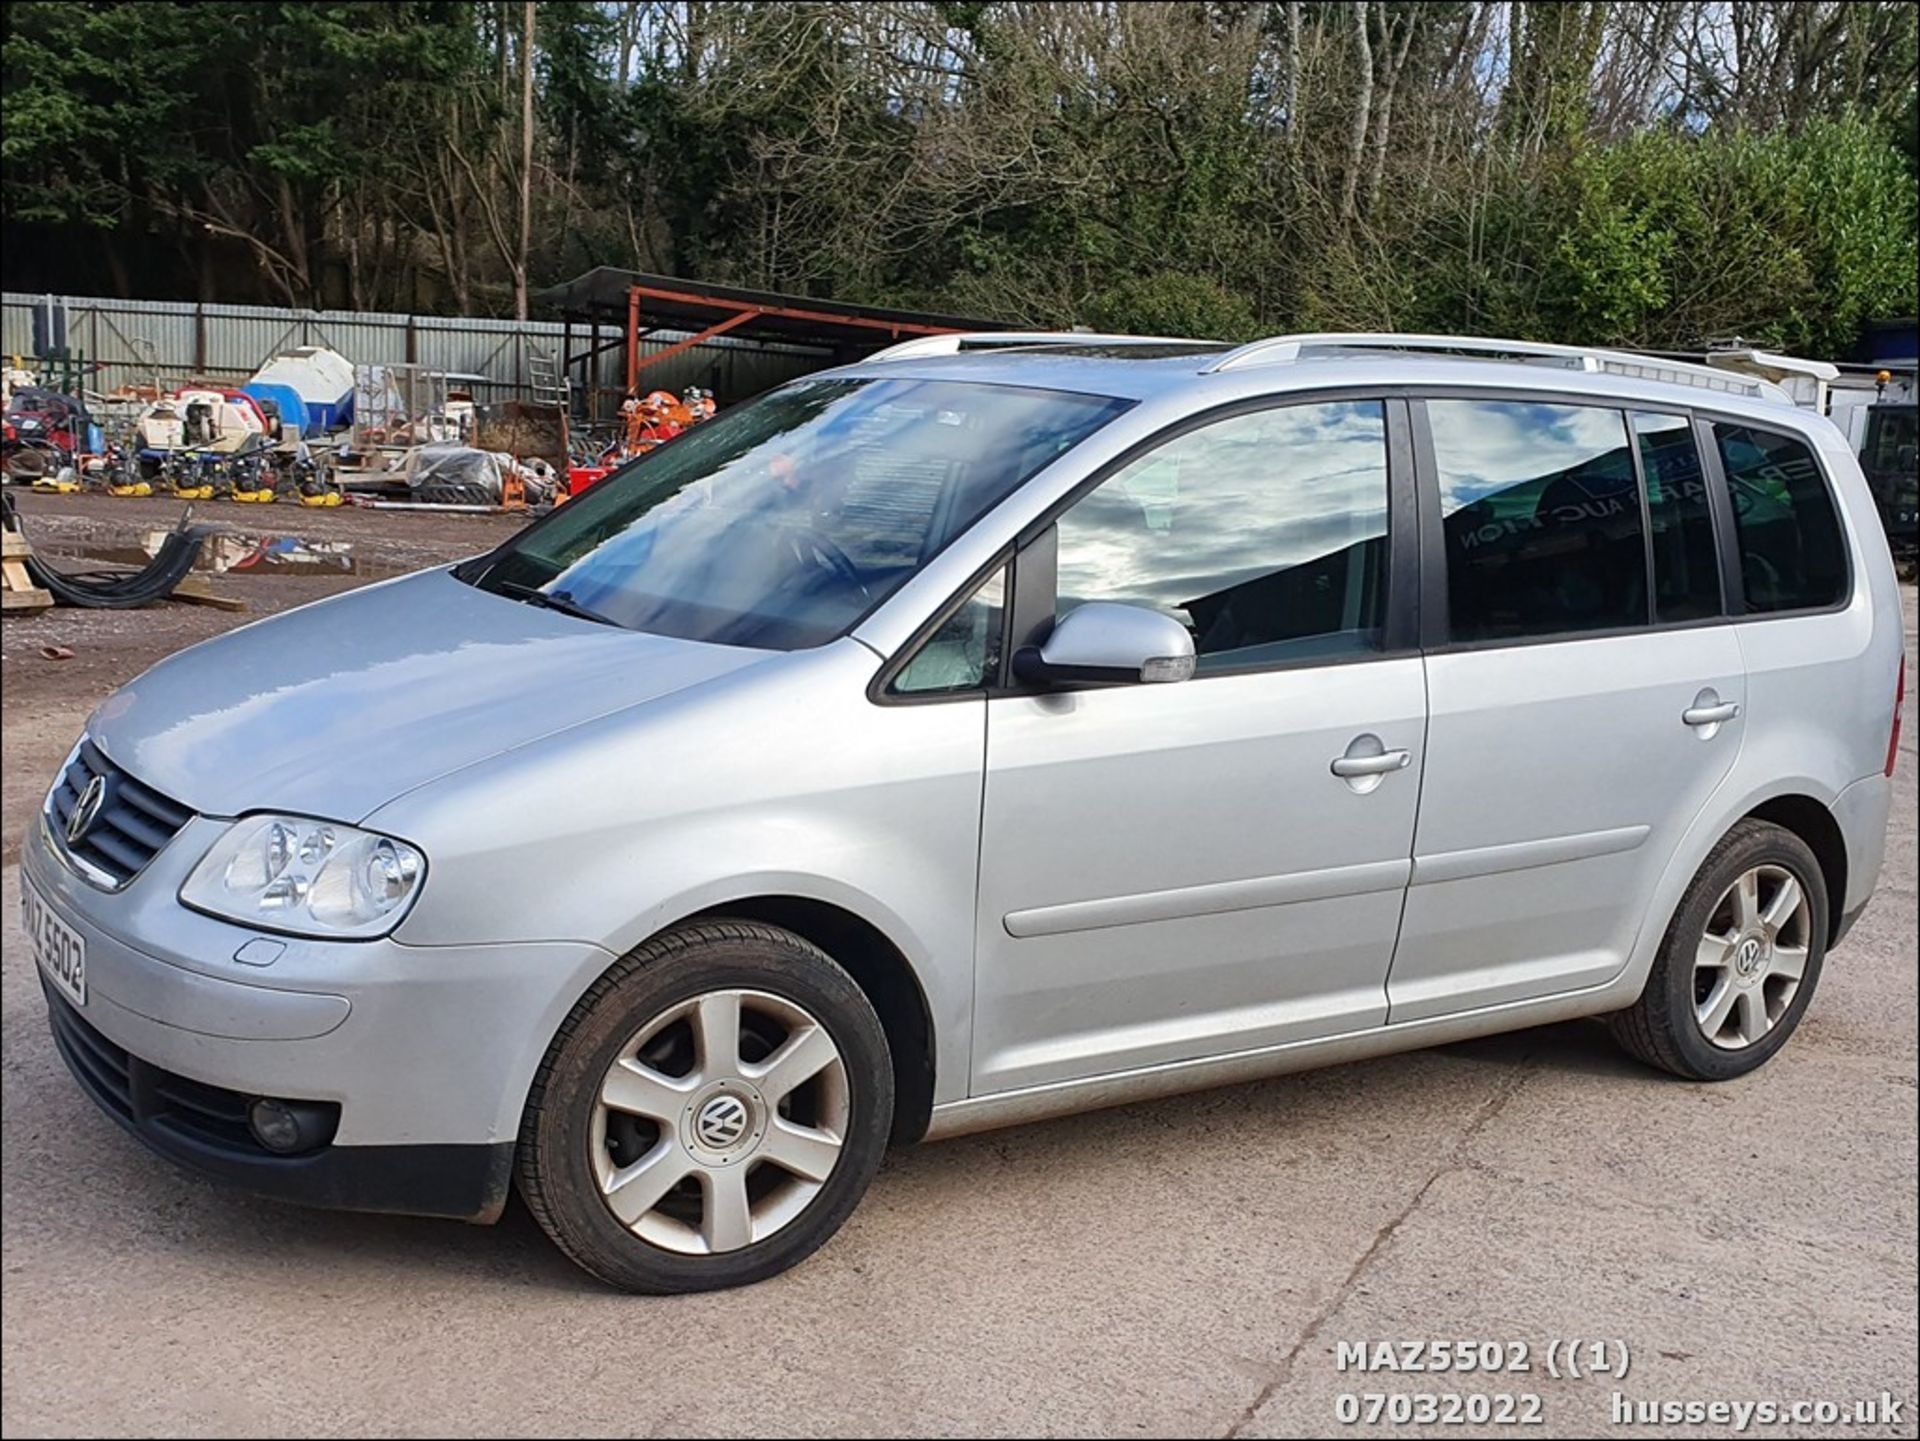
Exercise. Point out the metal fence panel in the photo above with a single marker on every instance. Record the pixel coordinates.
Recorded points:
(493, 348)
(16, 328)
(365, 339)
(237, 337)
(136, 343)
(130, 339)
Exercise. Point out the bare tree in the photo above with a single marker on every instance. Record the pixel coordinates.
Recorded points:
(1293, 74)
(1362, 109)
(1390, 83)
(526, 165)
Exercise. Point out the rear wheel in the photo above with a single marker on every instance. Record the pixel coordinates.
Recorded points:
(1739, 964)
(710, 1113)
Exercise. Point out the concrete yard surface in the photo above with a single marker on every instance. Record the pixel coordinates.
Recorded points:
(1189, 1267)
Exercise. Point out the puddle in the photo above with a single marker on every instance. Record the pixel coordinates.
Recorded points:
(240, 552)
(78, 542)
(237, 555)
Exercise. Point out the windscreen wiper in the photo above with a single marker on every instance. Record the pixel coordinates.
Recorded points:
(564, 602)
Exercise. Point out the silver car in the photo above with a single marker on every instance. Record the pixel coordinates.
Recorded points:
(990, 730)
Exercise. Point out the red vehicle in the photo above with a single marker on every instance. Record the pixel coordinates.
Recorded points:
(44, 430)
(579, 477)
(647, 421)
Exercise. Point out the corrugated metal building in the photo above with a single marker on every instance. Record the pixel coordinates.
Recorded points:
(133, 342)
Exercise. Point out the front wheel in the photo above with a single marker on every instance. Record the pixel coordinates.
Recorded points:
(1738, 967)
(710, 1113)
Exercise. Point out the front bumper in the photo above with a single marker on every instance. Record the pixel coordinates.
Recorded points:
(428, 1051)
(203, 1129)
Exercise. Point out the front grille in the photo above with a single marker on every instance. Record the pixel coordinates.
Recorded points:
(134, 822)
(144, 1095)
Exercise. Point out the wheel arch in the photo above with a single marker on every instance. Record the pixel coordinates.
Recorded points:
(1797, 802)
(881, 970)
(1813, 822)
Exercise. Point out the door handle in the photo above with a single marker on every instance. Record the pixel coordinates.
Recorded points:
(1710, 715)
(1348, 767)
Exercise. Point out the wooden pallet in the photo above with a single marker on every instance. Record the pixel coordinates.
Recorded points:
(20, 593)
(195, 591)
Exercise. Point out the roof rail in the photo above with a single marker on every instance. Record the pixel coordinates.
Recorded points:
(957, 341)
(1284, 349)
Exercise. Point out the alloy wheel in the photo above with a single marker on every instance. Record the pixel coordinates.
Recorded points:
(1749, 962)
(719, 1121)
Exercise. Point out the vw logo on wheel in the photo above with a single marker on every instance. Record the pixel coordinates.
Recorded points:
(86, 810)
(1746, 960)
(721, 1122)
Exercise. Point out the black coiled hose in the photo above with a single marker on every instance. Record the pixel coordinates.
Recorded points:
(116, 590)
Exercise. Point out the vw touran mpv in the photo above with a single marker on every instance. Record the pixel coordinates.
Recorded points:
(982, 732)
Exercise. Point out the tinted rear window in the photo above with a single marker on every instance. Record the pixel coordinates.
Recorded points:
(1792, 555)
(1686, 563)
(1542, 519)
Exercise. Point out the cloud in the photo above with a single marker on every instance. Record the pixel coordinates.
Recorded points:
(1483, 447)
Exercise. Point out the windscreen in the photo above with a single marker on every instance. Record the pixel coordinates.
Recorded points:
(780, 523)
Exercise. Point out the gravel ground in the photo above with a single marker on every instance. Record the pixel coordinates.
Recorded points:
(385, 532)
(1181, 1268)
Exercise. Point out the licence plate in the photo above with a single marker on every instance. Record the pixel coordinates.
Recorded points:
(58, 948)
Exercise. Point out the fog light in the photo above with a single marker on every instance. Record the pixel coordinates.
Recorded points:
(276, 1126)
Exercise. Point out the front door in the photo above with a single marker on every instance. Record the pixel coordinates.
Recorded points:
(1171, 872)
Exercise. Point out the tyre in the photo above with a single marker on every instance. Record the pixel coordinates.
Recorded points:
(710, 1112)
(1738, 966)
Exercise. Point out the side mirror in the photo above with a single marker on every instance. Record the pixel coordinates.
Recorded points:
(1106, 643)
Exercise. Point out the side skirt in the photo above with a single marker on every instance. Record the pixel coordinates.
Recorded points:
(1062, 1098)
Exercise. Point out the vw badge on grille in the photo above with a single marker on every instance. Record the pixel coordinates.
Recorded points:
(86, 810)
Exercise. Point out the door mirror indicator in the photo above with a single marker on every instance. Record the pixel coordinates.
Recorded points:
(1107, 643)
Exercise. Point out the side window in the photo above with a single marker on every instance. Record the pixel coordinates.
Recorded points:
(1890, 440)
(1686, 566)
(965, 651)
(1264, 534)
(1541, 517)
(1792, 556)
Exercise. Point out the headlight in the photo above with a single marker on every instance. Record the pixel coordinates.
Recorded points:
(313, 878)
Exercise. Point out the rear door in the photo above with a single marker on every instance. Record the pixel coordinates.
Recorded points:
(1585, 693)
